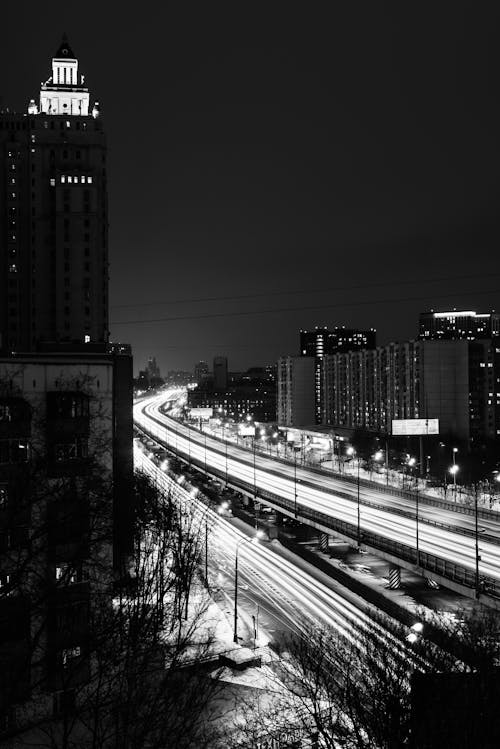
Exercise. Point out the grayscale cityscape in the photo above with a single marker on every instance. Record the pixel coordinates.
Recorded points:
(249, 378)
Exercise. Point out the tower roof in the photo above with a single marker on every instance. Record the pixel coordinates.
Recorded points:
(65, 50)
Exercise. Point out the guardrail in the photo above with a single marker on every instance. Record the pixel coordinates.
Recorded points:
(424, 560)
(422, 498)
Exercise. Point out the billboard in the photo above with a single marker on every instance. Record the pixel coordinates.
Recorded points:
(246, 431)
(408, 427)
(201, 413)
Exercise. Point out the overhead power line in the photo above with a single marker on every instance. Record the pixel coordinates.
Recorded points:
(271, 310)
(256, 295)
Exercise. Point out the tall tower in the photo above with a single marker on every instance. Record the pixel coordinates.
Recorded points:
(54, 228)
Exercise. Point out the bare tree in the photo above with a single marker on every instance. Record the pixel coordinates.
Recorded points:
(124, 672)
(355, 691)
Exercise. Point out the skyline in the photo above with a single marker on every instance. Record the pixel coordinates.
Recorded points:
(323, 171)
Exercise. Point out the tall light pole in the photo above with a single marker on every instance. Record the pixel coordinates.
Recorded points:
(294, 481)
(254, 471)
(455, 469)
(416, 528)
(387, 462)
(476, 528)
(255, 539)
(352, 451)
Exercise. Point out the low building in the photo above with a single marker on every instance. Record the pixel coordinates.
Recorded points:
(250, 393)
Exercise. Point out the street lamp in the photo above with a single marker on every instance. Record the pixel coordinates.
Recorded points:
(454, 470)
(352, 451)
(255, 539)
(477, 532)
(378, 456)
(295, 479)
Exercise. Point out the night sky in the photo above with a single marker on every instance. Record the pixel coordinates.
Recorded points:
(311, 169)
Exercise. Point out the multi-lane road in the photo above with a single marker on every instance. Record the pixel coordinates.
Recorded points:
(447, 540)
(294, 597)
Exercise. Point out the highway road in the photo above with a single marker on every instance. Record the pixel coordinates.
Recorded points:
(290, 594)
(387, 516)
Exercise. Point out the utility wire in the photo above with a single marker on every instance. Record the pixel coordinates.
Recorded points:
(365, 302)
(404, 282)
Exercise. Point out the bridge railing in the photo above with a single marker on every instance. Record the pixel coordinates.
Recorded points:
(424, 560)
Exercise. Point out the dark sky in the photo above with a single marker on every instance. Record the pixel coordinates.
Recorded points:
(312, 169)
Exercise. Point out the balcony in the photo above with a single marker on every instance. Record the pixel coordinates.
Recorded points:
(15, 418)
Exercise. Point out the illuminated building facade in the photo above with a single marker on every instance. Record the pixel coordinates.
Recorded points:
(322, 342)
(455, 324)
(455, 381)
(66, 431)
(54, 229)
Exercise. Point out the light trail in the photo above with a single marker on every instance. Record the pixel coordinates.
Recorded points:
(324, 494)
(298, 597)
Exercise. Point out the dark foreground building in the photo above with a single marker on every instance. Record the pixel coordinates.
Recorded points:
(66, 465)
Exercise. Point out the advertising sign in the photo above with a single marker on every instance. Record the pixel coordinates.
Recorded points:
(414, 427)
(246, 431)
(201, 413)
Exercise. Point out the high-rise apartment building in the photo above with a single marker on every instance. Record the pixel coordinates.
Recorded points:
(455, 381)
(54, 228)
(322, 342)
(201, 371)
(66, 465)
(453, 325)
(220, 373)
(295, 391)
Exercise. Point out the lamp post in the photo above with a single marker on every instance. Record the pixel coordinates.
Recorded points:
(416, 528)
(387, 462)
(254, 471)
(255, 539)
(352, 451)
(455, 469)
(295, 481)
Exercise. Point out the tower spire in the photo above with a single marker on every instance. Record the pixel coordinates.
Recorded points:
(64, 93)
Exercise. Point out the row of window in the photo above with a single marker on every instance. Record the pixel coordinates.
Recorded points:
(71, 179)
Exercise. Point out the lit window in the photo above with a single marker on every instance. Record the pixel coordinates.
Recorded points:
(63, 178)
(69, 654)
(87, 339)
(12, 268)
(82, 179)
(70, 179)
(52, 182)
(89, 180)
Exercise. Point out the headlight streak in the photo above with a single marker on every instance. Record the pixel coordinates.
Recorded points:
(307, 598)
(455, 547)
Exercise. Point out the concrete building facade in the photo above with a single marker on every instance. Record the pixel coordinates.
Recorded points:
(322, 342)
(296, 403)
(455, 381)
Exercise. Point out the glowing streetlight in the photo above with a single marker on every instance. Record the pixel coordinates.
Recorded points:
(454, 469)
(352, 452)
(258, 535)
